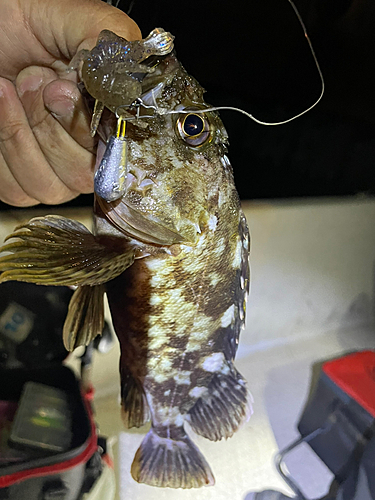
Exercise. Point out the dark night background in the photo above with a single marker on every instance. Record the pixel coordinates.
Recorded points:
(253, 55)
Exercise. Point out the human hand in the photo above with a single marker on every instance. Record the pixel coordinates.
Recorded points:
(46, 151)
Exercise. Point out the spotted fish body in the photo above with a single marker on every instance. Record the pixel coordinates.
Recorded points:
(183, 312)
(172, 255)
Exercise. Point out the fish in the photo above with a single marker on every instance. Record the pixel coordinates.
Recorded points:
(170, 247)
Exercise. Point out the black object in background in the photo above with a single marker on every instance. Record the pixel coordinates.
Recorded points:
(31, 323)
(31, 350)
(253, 55)
(338, 423)
(342, 404)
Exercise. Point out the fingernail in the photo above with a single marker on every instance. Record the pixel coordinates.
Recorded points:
(61, 108)
(29, 84)
(3, 87)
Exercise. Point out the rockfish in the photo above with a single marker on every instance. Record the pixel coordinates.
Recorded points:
(170, 247)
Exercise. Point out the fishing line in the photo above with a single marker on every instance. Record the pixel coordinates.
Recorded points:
(162, 111)
(302, 24)
(117, 2)
(130, 8)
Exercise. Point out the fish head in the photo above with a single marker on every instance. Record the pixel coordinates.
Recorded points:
(174, 157)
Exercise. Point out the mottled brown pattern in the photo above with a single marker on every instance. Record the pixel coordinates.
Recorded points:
(178, 310)
(130, 315)
(181, 285)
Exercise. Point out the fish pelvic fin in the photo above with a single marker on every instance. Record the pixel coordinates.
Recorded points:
(85, 319)
(54, 250)
(135, 411)
(225, 407)
(172, 463)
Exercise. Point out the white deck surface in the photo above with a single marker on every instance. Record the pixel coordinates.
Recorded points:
(312, 298)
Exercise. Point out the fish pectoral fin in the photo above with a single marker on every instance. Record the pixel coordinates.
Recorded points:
(54, 250)
(224, 408)
(85, 319)
(135, 412)
(170, 463)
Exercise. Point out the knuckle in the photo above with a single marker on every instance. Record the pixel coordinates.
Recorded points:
(12, 132)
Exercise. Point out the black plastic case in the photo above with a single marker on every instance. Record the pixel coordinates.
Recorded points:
(342, 405)
(57, 476)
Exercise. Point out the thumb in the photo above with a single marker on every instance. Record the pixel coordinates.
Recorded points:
(75, 24)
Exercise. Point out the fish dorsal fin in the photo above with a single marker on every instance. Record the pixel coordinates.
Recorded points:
(85, 319)
(54, 250)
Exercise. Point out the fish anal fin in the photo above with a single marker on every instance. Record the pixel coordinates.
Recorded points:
(164, 462)
(224, 407)
(85, 319)
(135, 412)
(54, 250)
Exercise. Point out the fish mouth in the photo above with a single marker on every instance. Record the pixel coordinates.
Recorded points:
(131, 221)
(128, 219)
(121, 213)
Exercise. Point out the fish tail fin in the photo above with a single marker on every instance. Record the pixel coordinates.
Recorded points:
(135, 412)
(173, 463)
(54, 250)
(224, 408)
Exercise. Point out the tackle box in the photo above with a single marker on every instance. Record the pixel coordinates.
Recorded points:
(49, 448)
(341, 407)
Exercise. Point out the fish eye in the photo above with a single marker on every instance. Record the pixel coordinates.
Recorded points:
(194, 129)
(193, 125)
